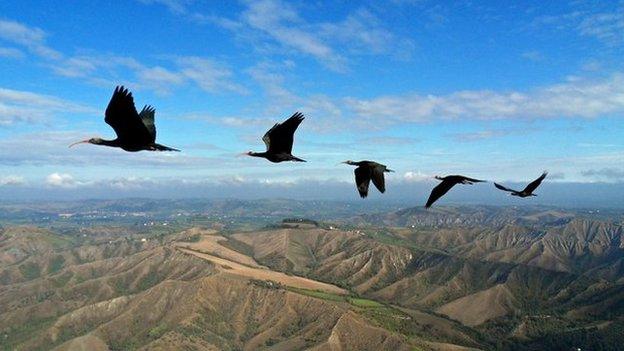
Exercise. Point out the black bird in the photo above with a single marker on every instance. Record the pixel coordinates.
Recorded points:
(447, 183)
(279, 140)
(528, 191)
(366, 171)
(135, 131)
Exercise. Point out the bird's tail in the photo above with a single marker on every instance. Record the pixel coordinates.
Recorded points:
(158, 147)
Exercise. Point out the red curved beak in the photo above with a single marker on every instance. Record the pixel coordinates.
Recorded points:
(80, 142)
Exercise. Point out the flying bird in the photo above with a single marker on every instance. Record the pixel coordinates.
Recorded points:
(528, 191)
(447, 183)
(135, 131)
(279, 141)
(366, 171)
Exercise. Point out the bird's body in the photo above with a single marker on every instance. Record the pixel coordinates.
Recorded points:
(447, 183)
(275, 158)
(367, 171)
(135, 131)
(279, 141)
(526, 192)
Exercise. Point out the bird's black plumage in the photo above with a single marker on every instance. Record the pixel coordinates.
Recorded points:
(526, 192)
(135, 132)
(367, 171)
(447, 183)
(279, 140)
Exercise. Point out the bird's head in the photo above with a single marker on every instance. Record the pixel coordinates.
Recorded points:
(388, 170)
(439, 178)
(95, 141)
(349, 162)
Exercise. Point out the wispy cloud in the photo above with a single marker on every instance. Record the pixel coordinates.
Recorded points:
(207, 74)
(576, 97)
(480, 135)
(32, 38)
(533, 55)
(611, 174)
(362, 32)
(175, 6)
(389, 140)
(23, 106)
(108, 70)
(12, 180)
(11, 53)
(604, 23)
(279, 23)
(607, 27)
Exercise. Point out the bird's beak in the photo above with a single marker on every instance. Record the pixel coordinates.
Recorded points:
(80, 142)
(389, 170)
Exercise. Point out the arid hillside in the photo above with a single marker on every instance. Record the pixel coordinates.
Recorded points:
(75, 293)
(546, 280)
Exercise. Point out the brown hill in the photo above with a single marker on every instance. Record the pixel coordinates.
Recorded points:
(130, 294)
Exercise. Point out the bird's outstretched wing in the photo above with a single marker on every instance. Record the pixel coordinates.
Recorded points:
(534, 184)
(504, 188)
(439, 191)
(377, 175)
(280, 138)
(123, 117)
(473, 180)
(159, 147)
(147, 116)
(362, 180)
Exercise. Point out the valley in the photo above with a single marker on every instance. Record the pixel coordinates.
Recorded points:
(449, 279)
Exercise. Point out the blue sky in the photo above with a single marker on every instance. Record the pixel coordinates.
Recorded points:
(496, 90)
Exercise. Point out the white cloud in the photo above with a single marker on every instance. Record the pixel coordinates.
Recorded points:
(533, 55)
(51, 149)
(12, 180)
(362, 32)
(31, 38)
(281, 22)
(573, 98)
(23, 106)
(175, 6)
(604, 22)
(607, 27)
(62, 180)
(105, 70)
(609, 173)
(11, 53)
(480, 135)
(207, 74)
(416, 176)
(129, 183)
(275, 25)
